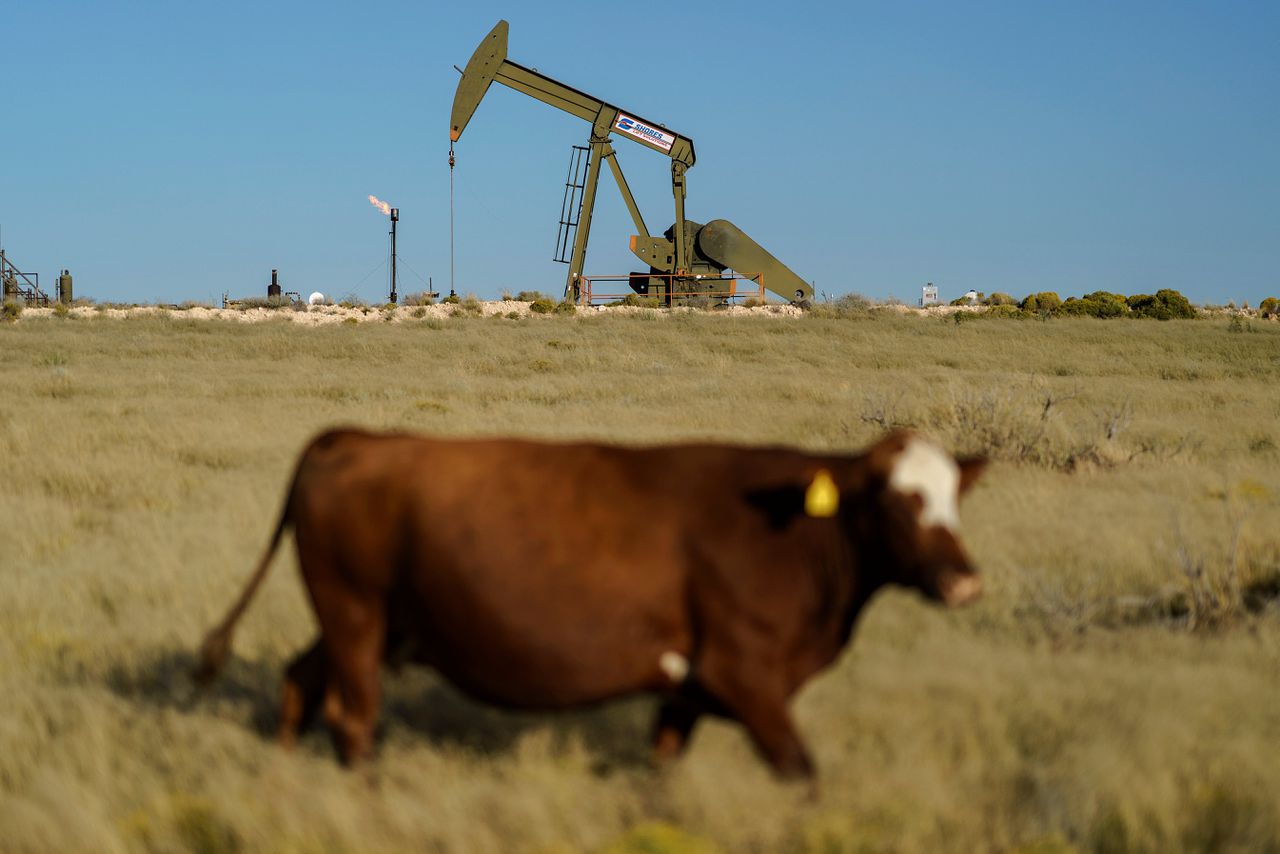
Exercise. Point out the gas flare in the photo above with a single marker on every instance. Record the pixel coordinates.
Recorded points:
(380, 205)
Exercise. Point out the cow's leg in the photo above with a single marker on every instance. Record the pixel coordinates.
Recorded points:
(304, 686)
(761, 706)
(354, 633)
(770, 726)
(676, 719)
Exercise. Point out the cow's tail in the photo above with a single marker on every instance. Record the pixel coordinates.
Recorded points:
(217, 644)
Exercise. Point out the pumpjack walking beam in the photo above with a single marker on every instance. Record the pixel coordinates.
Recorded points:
(489, 63)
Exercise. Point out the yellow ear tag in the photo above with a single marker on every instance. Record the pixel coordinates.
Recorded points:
(822, 499)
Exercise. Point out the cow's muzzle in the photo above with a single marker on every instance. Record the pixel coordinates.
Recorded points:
(961, 589)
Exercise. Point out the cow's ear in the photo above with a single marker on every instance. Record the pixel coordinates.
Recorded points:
(971, 468)
(778, 504)
(819, 498)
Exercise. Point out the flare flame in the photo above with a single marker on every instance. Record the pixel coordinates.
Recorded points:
(380, 205)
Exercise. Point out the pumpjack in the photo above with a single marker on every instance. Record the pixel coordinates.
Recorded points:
(689, 258)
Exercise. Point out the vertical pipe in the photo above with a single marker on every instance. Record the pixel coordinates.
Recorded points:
(395, 217)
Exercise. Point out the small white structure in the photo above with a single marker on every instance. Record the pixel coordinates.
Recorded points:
(929, 295)
(971, 297)
(316, 298)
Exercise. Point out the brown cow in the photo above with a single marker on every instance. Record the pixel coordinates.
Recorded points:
(539, 575)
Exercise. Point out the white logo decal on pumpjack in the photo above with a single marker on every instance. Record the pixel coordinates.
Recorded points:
(640, 130)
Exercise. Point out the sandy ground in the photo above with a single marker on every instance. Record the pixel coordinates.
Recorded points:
(325, 314)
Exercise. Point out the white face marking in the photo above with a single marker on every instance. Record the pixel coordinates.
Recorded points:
(926, 470)
(675, 665)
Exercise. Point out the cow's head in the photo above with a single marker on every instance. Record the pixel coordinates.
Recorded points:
(910, 516)
(899, 505)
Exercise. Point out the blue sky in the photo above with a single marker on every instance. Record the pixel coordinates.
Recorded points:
(167, 151)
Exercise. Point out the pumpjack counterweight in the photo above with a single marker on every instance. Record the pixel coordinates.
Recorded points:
(689, 257)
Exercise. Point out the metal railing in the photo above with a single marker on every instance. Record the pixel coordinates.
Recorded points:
(602, 290)
(17, 285)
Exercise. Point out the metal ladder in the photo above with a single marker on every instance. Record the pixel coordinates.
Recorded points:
(571, 205)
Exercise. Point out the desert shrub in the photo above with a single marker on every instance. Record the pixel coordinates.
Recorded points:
(1108, 297)
(419, 311)
(1107, 304)
(1166, 304)
(1269, 307)
(566, 307)
(1029, 425)
(1044, 301)
(263, 302)
(451, 299)
(419, 298)
(1179, 305)
(752, 302)
(11, 310)
(1261, 443)
(470, 304)
(531, 296)
(847, 305)
(999, 298)
(1096, 304)
(506, 296)
(60, 310)
(1238, 324)
(542, 305)
(1003, 309)
(637, 301)
(851, 303)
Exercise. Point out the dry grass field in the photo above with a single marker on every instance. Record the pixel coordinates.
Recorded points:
(1117, 689)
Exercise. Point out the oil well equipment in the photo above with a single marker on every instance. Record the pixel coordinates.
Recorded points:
(17, 286)
(392, 296)
(276, 295)
(689, 259)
